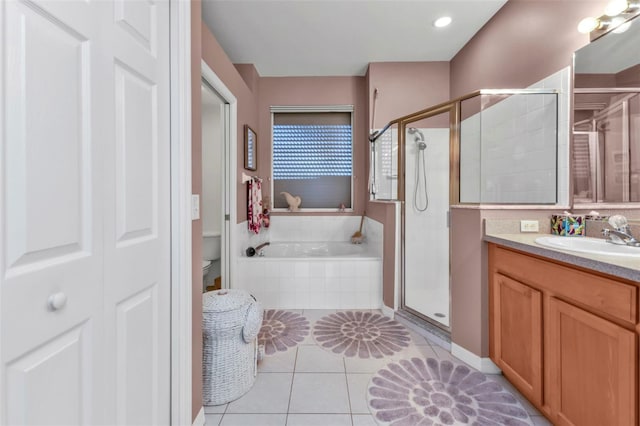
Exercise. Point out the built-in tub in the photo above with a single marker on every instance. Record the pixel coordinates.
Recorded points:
(313, 275)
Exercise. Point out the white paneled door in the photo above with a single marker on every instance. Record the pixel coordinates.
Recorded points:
(84, 208)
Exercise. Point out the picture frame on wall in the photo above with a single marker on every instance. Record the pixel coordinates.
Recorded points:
(250, 148)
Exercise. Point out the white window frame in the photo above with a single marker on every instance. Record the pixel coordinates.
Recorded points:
(303, 109)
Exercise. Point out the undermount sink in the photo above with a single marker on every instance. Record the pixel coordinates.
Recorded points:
(588, 245)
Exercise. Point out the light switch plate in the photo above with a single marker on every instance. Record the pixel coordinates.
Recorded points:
(529, 226)
(195, 206)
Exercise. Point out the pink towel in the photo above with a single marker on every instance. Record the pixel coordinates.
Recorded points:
(254, 207)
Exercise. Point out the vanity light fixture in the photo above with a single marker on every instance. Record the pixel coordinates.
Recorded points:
(442, 22)
(617, 13)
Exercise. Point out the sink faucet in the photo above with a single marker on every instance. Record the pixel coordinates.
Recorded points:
(620, 234)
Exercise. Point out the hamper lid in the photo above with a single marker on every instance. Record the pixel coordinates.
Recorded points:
(225, 300)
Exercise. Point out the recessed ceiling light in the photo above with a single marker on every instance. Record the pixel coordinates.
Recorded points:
(442, 22)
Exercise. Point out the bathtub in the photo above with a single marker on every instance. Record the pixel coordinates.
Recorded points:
(313, 275)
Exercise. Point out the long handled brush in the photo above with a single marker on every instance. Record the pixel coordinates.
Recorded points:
(357, 237)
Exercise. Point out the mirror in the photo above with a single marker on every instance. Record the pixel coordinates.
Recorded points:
(606, 108)
(250, 147)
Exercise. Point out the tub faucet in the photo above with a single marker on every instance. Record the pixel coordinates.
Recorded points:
(621, 232)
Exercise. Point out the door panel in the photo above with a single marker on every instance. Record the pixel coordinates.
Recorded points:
(52, 218)
(517, 334)
(583, 343)
(137, 244)
(85, 206)
(137, 368)
(61, 364)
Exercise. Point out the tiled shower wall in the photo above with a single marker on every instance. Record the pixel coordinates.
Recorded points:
(510, 156)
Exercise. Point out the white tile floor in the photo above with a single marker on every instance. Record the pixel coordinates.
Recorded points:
(308, 386)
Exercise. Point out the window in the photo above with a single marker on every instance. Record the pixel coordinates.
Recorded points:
(313, 158)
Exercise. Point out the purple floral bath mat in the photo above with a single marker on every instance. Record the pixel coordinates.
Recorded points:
(360, 334)
(282, 330)
(421, 392)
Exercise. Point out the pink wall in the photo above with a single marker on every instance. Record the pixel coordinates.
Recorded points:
(385, 213)
(220, 63)
(204, 46)
(315, 91)
(523, 43)
(405, 87)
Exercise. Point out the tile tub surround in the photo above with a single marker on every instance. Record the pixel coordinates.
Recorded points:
(311, 228)
(308, 283)
(312, 283)
(281, 394)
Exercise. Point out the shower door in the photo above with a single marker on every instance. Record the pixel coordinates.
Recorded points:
(426, 164)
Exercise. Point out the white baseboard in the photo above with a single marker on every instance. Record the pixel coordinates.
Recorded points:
(200, 419)
(484, 365)
(387, 311)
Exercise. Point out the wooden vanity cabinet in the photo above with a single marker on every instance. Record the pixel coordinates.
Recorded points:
(565, 337)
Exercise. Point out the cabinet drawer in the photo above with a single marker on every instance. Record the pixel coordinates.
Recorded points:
(603, 295)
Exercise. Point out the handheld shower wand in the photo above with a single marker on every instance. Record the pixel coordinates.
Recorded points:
(422, 146)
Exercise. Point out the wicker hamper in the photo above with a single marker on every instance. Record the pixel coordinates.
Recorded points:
(230, 325)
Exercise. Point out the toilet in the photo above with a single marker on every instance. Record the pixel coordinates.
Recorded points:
(211, 252)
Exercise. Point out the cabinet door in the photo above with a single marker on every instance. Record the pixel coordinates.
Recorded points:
(516, 328)
(592, 368)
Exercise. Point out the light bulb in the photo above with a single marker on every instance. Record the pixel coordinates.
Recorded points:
(442, 22)
(588, 24)
(620, 25)
(616, 7)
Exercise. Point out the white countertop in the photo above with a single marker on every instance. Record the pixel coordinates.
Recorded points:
(618, 266)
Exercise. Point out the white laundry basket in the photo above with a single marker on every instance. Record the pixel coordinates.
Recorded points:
(230, 325)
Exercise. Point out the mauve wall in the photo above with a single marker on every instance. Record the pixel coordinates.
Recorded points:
(204, 46)
(219, 62)
(524, 42)
(316, 91)
(405, 87)
(385, 213)
(196, 225)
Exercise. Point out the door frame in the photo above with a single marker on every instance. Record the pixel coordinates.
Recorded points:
(229, 145)
(181, 294)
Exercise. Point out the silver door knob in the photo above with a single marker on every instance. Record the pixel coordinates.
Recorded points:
(57, 301)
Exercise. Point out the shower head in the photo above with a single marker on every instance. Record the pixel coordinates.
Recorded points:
(419, 137)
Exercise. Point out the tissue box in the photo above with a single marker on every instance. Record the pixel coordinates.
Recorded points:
(568, 226)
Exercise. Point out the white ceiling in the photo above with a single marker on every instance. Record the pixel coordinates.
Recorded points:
(340, 37)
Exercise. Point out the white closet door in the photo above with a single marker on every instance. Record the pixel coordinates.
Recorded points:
(137, 244)
(84, 205)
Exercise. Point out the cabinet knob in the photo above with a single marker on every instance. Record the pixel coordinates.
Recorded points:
(57, 301)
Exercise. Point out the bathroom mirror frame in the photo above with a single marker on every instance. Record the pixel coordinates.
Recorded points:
(250, 148)
(601, 50)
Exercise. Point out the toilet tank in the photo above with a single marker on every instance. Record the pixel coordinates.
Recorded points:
(211, 246)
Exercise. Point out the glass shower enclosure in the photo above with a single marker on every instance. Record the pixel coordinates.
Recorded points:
(488, 147)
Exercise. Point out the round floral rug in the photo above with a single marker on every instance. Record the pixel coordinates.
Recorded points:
(282, 330)
(360, 334)
(432, 392)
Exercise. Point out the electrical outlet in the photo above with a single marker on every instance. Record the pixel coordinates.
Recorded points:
(195, 206)
(529, 226)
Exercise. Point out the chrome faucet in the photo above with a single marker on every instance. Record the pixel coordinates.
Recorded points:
(621, 232)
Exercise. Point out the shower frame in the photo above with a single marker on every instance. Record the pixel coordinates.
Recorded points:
(453, 107)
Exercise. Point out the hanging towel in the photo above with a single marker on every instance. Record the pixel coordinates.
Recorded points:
(254, 207)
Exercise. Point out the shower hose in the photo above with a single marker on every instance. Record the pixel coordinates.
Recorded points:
(416, 204)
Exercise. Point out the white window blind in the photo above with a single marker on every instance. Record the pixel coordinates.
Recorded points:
(313, 158)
